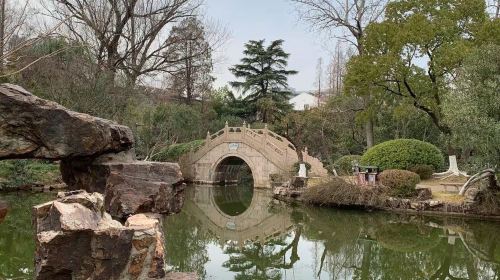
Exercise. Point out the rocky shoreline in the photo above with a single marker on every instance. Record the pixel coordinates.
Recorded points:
(423, 204)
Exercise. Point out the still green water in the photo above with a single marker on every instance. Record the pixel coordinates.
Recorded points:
(17, 245)
(236, 233)
(239, 233)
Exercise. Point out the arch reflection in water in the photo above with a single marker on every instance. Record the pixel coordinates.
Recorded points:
(270, 240)
(233, 200)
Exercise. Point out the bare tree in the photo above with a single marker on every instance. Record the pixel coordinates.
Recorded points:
(17, 36)
(190, 46)
(319, 78)
(13, 18)
(127, 35)
(345, 20)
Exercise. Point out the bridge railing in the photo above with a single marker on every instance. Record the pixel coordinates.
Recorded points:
(275, 147)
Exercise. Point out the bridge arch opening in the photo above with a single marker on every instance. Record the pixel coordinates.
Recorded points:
(234, 194)
(233, 170)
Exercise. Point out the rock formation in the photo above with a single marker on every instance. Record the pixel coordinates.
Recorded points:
(76, 236)
(77, 239)
(129, 186)
(96, 155)
(31, 127)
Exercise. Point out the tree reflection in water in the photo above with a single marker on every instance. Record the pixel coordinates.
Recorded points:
(264, 261)
(315, 243)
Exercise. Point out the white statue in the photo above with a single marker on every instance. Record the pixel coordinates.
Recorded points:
(302, 171)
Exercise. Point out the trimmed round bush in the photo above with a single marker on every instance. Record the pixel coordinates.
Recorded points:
(344, 164)
(400, 183)
(425, 171)
(403, 154)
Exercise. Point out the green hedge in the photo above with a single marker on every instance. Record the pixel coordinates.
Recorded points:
(175, 151)
(401, 183)
(425, 171)
(403, 154)
(344, 164)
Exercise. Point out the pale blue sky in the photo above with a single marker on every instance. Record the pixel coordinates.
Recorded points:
(267, 19)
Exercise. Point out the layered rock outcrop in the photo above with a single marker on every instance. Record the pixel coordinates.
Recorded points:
(76, 236)
(31, 127)
(130, 187)
(77, 239)
(96, 154)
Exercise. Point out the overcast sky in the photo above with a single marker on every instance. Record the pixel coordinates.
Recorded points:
(270, 20)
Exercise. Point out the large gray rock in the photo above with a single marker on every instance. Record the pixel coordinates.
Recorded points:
(129, 187)
(77, 239)
(31, 127)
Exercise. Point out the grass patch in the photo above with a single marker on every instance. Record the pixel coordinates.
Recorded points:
(338, 192)
(14, 173)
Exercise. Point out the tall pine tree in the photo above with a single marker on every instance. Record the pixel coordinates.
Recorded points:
(264, 79)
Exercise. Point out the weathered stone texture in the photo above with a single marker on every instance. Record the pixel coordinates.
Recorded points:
(31, 127)
(129, 187)
(77, 239)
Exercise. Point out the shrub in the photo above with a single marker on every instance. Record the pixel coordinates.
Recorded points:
(400, 183)
(338, 192)
(403, 154)
(423, 170)
(344, 164)
(296, 167)
(175, 151)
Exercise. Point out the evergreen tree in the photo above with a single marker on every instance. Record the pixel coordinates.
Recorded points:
(265, 79)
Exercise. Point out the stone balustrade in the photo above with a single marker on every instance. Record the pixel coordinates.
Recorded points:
(263, 150)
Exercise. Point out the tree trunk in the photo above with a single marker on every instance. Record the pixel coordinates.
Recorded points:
(497, 13)
(369, 122)
(2, 34)
(369, 133)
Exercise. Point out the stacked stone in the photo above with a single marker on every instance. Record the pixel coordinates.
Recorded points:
(76, 236)
(77, 239)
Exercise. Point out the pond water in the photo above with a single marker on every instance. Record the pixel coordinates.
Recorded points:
(236, 232)
(17, 245)
(223, 233)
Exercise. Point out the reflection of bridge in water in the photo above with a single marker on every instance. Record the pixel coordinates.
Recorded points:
(263, 219)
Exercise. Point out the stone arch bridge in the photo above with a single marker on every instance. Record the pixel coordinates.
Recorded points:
(265, 152)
